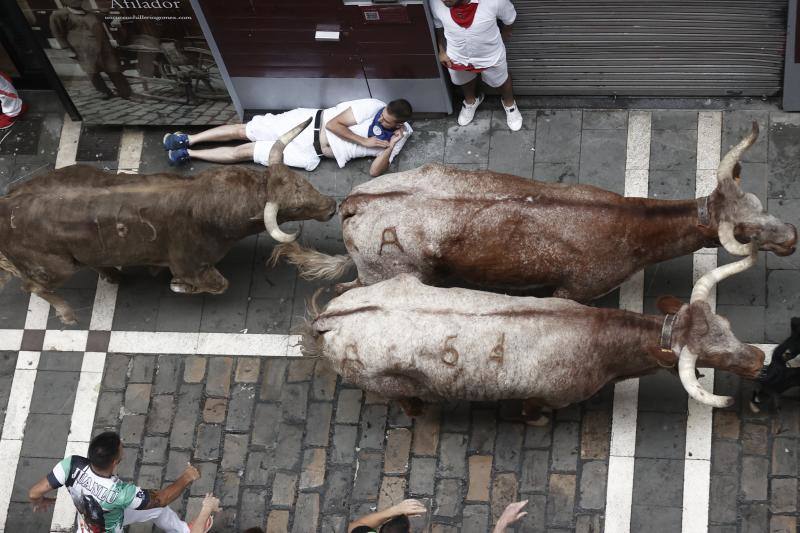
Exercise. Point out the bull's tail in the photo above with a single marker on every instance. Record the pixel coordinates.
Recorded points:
(310, 338)
(310, 263)
(6, 270)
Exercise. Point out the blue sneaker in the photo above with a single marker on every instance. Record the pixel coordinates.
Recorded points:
(175, 141)
(178, 157)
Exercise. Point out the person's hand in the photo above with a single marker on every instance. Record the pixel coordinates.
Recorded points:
(396, 136)
(410, 508)
(511, 514)
(211, 503)
(374, 142)
(191, 474)
(505, 33)
(41, 505)
(444, 59)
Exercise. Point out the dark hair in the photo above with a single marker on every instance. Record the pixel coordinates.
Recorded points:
(400, 109)
(103, 449)
(254, 530)
(398, 524)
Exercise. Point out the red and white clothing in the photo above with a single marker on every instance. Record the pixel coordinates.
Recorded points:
(10, 101)
(478, 45)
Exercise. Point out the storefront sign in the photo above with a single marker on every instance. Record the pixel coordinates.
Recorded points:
(132, 61)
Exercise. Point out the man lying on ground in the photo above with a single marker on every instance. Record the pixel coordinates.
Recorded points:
(358, 128)
(105, 502)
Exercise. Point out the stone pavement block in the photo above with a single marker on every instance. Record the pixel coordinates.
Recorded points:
(208, 474)
(218, 382)
(214, 410)
(392, 492)
(154, 450)
(208, 442)
(398, 446)
(534, 521)
(54, 392)
(29, 471)
(736, 125)
(538, 436)
(504, 492)
(227, 488)
(671, 277)
(534, 471)
(783, 524)
(167, 374)
(787, 421)
(397, 417)
(278, 521)
(452, 456)
(274, 284)
(660, 435)
(240, 407)
(194, 369)
(334, 524)
(20, 517)
(784, 456)
(595, 435)
(234, 451)
(448, 498)
(602, 160)
(754, 439)
(294, 401)
(475, 519)
(323, 386)
(655, 518)
(138, 301)
(344, 443)
(300, 370)
(726, 425)
(247, 369)
(783, 495)
(593, 485)
(182, 434)
(566, 446)
(318, 423)
(674, 119)
(455, 416)
(748, 322)
(784, 160)
(132, 429)
(747, 289)
(467, 144)
(13, 305)
(561, 500)
(337, 493)
(272, 382)
(724, 457)
(368, 476)
(671, 184)
(260, 468)
(288, 446)
(754, 518)
(783, 302)
(658, 482)
(480, 476)
(137, 398)
(508, 448)
(674, 150)
(283, 489)
(556, 172)
(424, 146)
(558, 136)
(588, 523)
(788, 211)
(312, 474)
(178, 312)
(307, 514)
(373, 424)
(228, 311)
(60, 361)
(114, 375)
(252, 510)
(142, 369)
(426, 431)
(483, 431)
(422, 474)
(602, 119)
(723, 498)
(512, 152)
(159, 419)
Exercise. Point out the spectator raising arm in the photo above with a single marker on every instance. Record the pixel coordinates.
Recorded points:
(165, 496)
(375, 520)
(512, 513)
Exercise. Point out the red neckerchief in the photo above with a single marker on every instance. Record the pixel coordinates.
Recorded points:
(464, 14)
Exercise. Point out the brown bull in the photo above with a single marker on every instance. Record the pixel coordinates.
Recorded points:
(81, 217)
(445, 225)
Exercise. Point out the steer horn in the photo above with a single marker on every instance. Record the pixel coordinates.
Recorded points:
(726, 166)
(276, 153)
(271, 222)
(728, 240)
(687, 361)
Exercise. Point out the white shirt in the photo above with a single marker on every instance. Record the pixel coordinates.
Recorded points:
(364, 111)
(479, 45)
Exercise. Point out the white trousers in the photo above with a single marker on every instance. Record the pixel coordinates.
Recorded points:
(163, 517)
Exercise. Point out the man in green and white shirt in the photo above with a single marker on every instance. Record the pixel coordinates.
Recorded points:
(105, 502)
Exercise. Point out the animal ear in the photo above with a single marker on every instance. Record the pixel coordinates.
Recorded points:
(669, 305)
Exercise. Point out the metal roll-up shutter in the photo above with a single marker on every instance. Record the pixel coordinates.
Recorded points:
(648, 48)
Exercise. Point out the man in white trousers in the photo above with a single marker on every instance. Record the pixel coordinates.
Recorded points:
(470, 44)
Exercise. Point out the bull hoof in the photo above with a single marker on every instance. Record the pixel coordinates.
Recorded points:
(542, 421)
(181, 288)
(67, 317)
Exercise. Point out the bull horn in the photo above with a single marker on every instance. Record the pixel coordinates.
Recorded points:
(276, 153)
(687, 362)
(271, 222)
(725, 168)
(728, 240)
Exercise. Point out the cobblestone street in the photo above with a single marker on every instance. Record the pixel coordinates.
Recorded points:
(288, 446)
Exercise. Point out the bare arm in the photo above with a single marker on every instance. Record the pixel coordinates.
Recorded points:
(381, 163)
(340, 126)
(374, 520)
(511, 514)
(210, 506)
(165, 496)
(444, 59)
(37, 492)
(505, 32)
